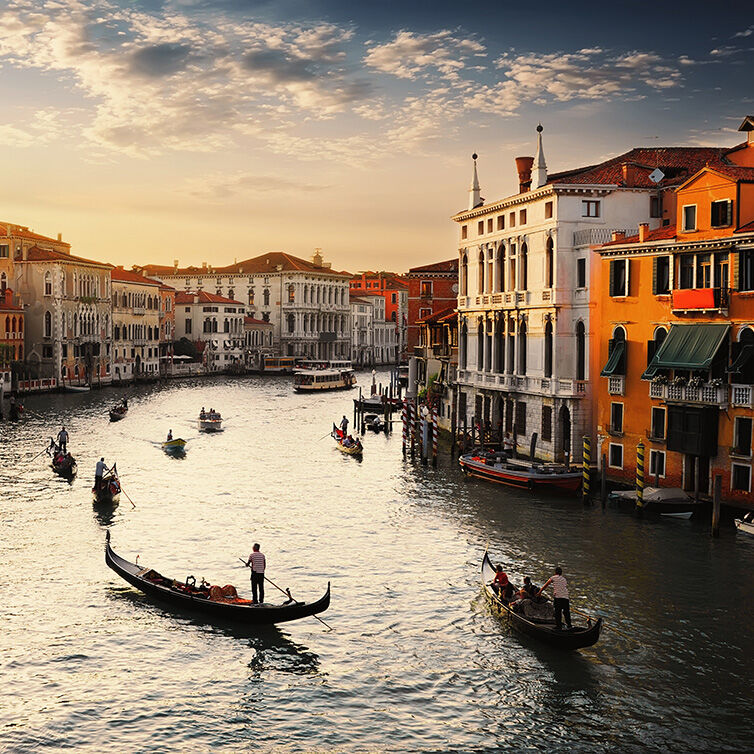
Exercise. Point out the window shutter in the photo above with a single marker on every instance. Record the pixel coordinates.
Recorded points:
(610, 346)
(735, 259)
(627, 292)
(654, 275)
(612, 277)
(729, 213)
(651, 350)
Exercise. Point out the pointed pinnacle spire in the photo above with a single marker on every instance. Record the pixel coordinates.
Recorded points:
(475, 193)
(539, 174)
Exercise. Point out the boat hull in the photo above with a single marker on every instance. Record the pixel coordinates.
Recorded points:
(67, 472)
(521, 478)
(243, 613)
(579, 637)
(210, 425)
(116, 416)
(170, 446)
(746, 527)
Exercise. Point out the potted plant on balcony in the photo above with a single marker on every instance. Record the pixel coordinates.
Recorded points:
(679, 381)
(696, 381)
(716, 382)
(660, 379)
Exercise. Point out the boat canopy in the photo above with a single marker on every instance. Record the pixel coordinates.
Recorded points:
(688, 347)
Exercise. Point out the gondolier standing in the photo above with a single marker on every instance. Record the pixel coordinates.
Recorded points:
(257, 563)
(63, 439)
(561, 603)
(99, 472)
(344, 426)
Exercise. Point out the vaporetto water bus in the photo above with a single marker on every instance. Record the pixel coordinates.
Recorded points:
(314, 380)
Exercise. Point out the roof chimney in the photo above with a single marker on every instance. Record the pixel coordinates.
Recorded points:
(60, 236)
(618, 235)
(175, 264)
(643, 232)
(523, 166)
(204, 265)
(475, 194)
(630, 173)
(540, 168)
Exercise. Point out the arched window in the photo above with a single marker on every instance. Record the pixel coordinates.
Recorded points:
(48, 284)
(291, 293)
(251, 297)
(549, 264)
(291, 323)
(490, 271)
(463, 345)
(3, 282)
(580, 351)
(7, 326)
(548, 349)
(480, 345)
(522, 348)
(523, 264)
(480, 271)
(226, 325)
(464, 274)
(511, 355)
(266, 297)
(231, 293)
(512, 267)
(48, 325)
(500, 283)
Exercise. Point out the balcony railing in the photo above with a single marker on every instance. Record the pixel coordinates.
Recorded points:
(700, 299)
(520, 383)
(712, 395)
(593, 236)
(616, 385)
(741, 395)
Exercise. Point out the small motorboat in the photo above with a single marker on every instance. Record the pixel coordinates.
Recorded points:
(671, 502)
(746, 524)
(374, 422)
(499, 467)
(347, 444)
(108, 492)
(218, 602)
(76, 388)
(542, 626)
(119, 411)
(210, 421)
(63, 464)
(176, 446)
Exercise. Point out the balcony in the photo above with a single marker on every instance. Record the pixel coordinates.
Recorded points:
(139, 310)
(741, 395)
(562, 388)
(616, 385)
(706, 394)
(700, 300)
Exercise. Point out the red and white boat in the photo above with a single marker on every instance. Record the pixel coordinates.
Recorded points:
(527, 475)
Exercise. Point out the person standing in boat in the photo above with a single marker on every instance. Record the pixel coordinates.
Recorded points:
(561, 602)
(502, 585)
(99, 472)
(257, 562)
(508, 444)
(63, 439)
(170, 435)
(344, 425)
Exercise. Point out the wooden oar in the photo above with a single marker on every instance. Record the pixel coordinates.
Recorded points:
(40, 453)
(606, 625)
(125, 493)
(287, 593)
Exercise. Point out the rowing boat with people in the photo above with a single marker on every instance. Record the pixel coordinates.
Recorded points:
(536, 620)
(220, 602)
(346, 444)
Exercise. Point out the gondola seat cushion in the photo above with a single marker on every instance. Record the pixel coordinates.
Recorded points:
(537, 612)
(230, 591)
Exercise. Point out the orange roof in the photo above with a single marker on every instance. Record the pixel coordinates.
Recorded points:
(187, 297)
(450, 266)
(126, 276)
(748, 228)
(20, 231)
(668, 232)
(35, 254)
(443, 315)
(265, 263)
(254, 321)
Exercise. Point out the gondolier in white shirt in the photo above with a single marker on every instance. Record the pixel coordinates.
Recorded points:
(344, 426)
(63, 439)
(561, 602)
(257, 563)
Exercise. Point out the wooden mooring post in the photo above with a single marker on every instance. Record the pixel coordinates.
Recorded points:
(405, 427)
(717, 490)
(603, 481)
(586, 468)
(640, 475)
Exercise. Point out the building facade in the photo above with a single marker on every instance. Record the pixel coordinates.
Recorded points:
(136, 326)
(394, 289)
(215, 325)
(675, 346)
(524, 275)
(11, 338)
(431, 288)
(306, 302)
(166, 323)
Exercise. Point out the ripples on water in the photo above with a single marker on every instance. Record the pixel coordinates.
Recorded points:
(416, 662)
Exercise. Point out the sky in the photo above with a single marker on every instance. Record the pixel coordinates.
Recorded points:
(147, 131)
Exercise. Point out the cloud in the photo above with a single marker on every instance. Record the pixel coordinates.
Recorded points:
(409, 54)
(221, 187)
(161, 59)
(745, 33)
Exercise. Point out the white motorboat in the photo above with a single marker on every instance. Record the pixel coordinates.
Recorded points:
(210, 421)
(672, 502)
(746, 524)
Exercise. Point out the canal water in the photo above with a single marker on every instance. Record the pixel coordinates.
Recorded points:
(415, 661)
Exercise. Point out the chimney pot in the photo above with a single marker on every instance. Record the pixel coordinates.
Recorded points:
(618, 235)
(523, 166)
(60, 236)
(643, 231)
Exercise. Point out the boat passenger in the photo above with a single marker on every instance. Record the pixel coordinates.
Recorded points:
(508, 444)
(202, 413)
(125, 403)
(528, 588)
(170, 435)
(503, 588)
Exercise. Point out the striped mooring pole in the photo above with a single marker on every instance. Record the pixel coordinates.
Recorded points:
(411, 433)
(405, 426)
(586, 470)
(640, 475)
(434, 437)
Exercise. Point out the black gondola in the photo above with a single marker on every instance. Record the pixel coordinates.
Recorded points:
(210, 601)
(63, 464)
(576, 638)
(118, 412)
(108, 492)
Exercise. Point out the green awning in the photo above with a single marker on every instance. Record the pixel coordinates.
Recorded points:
(619, 348)
(741, 360)
(688, 347)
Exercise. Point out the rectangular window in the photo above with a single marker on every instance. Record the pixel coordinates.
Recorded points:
(655, 206)
(520, 418)
(686, 271)
(522, 217)
(746, 270)
(703, 271)
(689, 217)
(721, 213)
(547, 423)
(424, 313)
(480, 228)
(548, 210)
(656, 463)
(590, 208)
(740, 477)
(742, 436)
(464, 231)
(4, 251)
(661, 276)
(581, 273)
(394, 298)
(501, 222)
(489, 226)
(188, 327)
(658, 423)
(616, 418)
(615, 456)
(512, 220)
(619, 277)
(46, 352)
(426, 289)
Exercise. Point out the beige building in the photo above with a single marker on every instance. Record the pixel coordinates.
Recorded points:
(136, 326)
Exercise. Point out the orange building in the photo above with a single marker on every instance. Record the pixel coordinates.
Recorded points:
(673, 358)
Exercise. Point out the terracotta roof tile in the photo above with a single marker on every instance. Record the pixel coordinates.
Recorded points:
(35, 254)
(187, 297)
(658, 234)
(126, 276)
(748, 228)
(254, 321)
(447, 313)
(450, 265)
(20, 231)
